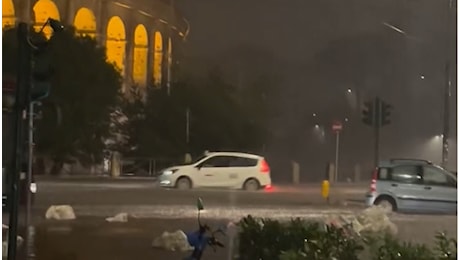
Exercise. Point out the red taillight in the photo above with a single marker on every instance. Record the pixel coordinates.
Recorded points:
(264, 168)
(373, 187)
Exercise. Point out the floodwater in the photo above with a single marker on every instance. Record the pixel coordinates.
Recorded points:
(90, 238)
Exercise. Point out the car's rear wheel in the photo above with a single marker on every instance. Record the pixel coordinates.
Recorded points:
(183, 183)
(251, 185)
(387, 204)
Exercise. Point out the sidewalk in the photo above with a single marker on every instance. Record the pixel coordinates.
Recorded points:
(93, 178)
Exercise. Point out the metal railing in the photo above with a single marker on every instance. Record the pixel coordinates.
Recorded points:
(145, 166)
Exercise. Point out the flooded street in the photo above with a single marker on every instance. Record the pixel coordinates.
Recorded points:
(90, 238)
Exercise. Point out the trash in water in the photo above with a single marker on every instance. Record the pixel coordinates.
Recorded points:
(175, 241)
(60, 212)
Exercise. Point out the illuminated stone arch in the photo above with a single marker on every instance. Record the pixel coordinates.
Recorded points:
(140, 55)
(44, 9)
(85, 22)
(116, 42)
(8, 14)
(157, 58)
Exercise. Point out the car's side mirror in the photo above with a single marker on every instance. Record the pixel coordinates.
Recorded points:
(198, 166)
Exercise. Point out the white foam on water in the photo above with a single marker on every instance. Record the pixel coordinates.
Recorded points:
(187, 211)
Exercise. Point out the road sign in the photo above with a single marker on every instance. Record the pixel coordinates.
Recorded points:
(337, 126)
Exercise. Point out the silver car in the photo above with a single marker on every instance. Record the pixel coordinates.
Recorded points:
(410, 185)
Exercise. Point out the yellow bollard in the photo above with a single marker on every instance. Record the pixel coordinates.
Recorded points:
(325, 190)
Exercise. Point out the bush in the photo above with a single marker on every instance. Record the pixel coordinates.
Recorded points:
(267, 239)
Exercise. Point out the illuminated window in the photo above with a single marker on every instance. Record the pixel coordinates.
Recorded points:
(85, 22)
(140, 55)
(44, 9)
(116, 43)
(8, 16)
(157, 59)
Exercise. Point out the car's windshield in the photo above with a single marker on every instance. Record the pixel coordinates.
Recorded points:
(199, 159)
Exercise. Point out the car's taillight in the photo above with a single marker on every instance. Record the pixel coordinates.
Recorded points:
(373, 187)
(264, 168)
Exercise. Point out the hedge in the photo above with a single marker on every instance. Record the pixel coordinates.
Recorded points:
(297, 239)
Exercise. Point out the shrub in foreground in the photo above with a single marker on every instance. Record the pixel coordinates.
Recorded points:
(268, 239)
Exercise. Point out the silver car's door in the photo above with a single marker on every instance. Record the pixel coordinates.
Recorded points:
(406, 185)
(440, 189)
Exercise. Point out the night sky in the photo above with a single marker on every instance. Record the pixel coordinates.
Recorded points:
(323, 47)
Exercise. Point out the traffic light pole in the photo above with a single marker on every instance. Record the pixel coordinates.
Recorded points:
(22, 94)
(377, 116)
(30, 228)
(376, 132)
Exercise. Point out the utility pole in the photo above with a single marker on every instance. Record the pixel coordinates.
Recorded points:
(22, 96)
(447, 91)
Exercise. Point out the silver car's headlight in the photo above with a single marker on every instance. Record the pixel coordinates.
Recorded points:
(169, 172)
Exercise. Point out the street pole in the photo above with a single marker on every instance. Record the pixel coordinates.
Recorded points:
(30, 228)
(447, 92)
(337, 142)
(22, 94)
(376, 118)
(187, 126)
(169, 53)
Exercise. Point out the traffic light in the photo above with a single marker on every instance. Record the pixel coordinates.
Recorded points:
(41, 72)
(368, 113)
(386, 112)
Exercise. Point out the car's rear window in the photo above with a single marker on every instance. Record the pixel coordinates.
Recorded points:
(384, 174)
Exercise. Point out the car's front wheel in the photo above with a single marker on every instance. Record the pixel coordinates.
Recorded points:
(183, 183)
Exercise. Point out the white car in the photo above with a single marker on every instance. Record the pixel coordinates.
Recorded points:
(220, 170)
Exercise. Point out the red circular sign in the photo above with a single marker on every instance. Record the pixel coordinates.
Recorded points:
(337, 126)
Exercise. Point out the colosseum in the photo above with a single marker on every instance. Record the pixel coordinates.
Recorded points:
(143, 38)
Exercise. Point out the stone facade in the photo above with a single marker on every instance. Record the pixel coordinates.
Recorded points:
(154, 17)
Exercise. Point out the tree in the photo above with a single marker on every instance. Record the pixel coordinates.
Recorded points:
(220, 119)
(86, 89)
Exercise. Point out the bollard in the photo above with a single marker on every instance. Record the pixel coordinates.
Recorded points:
(295, 173)
(325, 190)
(115, 165)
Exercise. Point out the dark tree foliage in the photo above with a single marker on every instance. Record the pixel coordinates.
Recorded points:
(221, 118)
(85, 88)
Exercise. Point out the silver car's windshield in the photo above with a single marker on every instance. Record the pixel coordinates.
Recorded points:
(450, 174)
